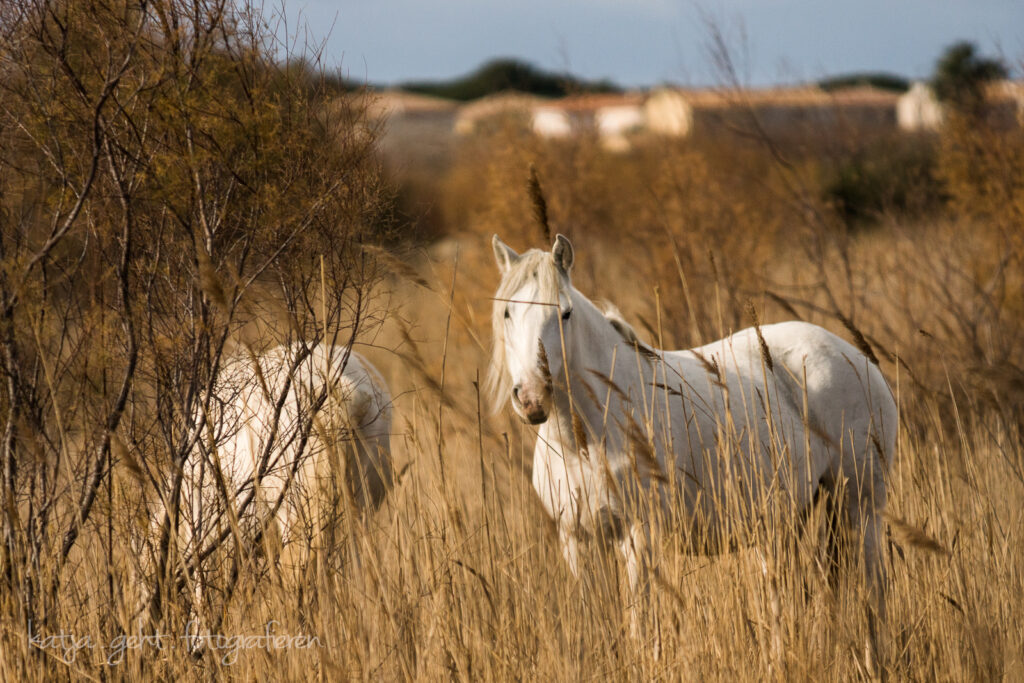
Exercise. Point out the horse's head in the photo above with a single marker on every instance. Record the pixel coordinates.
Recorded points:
(531, 317)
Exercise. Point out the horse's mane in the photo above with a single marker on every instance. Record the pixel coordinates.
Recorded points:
(614, 316)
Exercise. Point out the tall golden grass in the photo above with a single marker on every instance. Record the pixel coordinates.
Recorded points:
(459, 576)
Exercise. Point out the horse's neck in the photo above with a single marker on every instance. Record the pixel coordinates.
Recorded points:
(567, 459)
(592, 349)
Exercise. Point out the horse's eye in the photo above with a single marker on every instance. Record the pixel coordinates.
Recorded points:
(565, 316)
(506, 313)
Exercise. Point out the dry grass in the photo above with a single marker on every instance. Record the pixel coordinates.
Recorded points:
(459, 575)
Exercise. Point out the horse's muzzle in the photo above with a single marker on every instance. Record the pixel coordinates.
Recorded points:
(530, 409)
(536, 418)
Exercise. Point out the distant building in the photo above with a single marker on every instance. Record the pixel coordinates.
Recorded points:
(551, 122)
(919, 109)
(509, 106)
(613, 117)
(1006, 103)
(668, 112)
(677, 112)
(617, 122)
(412, 126)
(392, 103)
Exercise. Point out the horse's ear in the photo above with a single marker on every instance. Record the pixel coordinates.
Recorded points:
(503, 254)
(562, 251)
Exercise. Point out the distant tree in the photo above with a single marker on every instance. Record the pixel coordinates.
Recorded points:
(961, 74)
(508, 74)
(882, 81)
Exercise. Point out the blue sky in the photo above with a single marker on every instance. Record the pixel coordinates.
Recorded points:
(645, 42)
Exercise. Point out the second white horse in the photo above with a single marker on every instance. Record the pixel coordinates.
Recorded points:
(294, 438)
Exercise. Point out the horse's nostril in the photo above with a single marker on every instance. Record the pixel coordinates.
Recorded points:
(515, 392)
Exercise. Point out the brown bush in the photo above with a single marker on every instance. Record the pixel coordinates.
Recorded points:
(169, 192)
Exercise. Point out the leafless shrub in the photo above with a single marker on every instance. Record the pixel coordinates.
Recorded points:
(171, 194)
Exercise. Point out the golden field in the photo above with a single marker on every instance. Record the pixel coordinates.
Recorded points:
(459, 575)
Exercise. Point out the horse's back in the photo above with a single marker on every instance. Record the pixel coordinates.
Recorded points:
(353, 419)
(819, 386)
(279, 414)
(846, 391)
(848, 401)
(327, 379)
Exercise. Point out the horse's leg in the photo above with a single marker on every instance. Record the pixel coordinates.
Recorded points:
(874, 568)
(834, 551)
(570, 548)
(188, 544)
(774, 610)
(864, 502)
(634, 547)
(144, 569)
(592, 572)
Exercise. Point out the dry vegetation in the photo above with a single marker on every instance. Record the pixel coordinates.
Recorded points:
(163, 205)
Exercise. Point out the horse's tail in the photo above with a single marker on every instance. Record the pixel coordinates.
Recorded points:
(369, 398)
(368, 405)
(359, 403)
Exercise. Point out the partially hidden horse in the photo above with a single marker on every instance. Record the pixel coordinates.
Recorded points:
(293, 438)
(629, 434)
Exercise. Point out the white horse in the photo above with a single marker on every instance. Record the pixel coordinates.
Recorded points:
(293, 437)
(627, 431)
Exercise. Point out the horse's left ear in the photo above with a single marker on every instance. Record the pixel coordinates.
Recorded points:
(562, 252)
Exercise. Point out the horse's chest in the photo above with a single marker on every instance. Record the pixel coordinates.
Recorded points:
(573, 493)
(554, 485)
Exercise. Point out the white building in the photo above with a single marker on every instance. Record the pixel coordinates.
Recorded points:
(551, 122)
(669, 113)
(616, 122)
(507, 106)
(919, 109)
